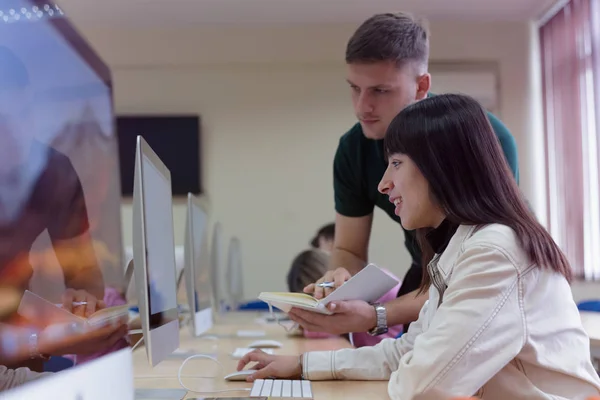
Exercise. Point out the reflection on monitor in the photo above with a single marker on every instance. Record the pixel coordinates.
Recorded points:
(58, 152)
(197, 270)
(235, 276)
(154, 254)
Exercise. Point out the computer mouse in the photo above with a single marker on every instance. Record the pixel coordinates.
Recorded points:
(240, 375)
(265, 344)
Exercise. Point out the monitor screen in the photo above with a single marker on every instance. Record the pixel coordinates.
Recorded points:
(160, 256)
(201, 266)
(60, 197)
(176, 140)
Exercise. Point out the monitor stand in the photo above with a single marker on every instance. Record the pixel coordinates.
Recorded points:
(162, 394)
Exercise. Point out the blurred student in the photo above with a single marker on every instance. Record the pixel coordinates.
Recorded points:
(323, 240)
(311, 264)
(500, 322)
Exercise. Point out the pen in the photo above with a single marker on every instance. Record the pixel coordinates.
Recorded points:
(326, 284)
(75, 304)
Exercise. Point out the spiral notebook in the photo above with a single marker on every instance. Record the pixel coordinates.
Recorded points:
(370, 284)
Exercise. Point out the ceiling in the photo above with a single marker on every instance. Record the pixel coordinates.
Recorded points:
(174, 13)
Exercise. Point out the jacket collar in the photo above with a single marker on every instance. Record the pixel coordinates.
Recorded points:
(447, 260)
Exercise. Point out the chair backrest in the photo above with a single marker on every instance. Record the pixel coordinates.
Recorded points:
(589, 305)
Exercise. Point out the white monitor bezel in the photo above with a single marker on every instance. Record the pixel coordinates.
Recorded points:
(202, 320)
(108, 377)
(162, 341)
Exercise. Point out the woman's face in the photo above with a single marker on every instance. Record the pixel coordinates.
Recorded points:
(408, 189)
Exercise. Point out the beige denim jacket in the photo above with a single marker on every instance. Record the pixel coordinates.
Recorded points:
(494, 326)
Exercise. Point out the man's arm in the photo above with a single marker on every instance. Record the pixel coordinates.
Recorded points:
(70, 232)
(79, 263)
(359, 316)
(351, 243)
(405, 309)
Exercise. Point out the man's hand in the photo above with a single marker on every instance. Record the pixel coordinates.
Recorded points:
(72, 296)
(349, 316)
(339, 276)
(271, 366)
(59, 340)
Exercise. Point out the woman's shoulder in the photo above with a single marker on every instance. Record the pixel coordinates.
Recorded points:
(493, 238)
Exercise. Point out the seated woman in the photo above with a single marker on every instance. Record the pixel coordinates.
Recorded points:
(310, 265)
(500, 322)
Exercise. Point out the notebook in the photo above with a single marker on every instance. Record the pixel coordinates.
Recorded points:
(36, 308)
(370, 284)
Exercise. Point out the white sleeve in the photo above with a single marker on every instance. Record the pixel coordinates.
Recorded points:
(366, 363)
(10, 378)
(480, 324)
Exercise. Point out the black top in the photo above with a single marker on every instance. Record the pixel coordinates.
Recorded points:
(439, 237)
(56, 203)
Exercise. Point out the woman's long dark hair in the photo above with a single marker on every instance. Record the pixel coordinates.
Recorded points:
(450, 139)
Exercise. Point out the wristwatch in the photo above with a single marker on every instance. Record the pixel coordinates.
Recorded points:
(381, 326)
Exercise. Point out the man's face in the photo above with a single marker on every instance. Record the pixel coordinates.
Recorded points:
(380, 91)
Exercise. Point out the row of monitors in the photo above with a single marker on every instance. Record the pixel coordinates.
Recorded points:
(208, 286)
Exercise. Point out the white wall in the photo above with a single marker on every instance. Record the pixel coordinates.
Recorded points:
(274, 103)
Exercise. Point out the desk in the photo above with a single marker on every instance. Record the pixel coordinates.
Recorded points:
(202, 374)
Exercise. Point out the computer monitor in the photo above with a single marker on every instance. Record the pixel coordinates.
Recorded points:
(235, 276)
(217, 272)
(154, 254)
(197, 270)
(108, 377)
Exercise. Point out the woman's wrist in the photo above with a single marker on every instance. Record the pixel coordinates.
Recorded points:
(300, 369)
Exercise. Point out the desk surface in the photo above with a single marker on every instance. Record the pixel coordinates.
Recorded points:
(206, 375)
(591, 324)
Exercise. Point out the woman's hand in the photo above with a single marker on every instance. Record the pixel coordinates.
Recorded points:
(271, 366)
(339, 277)
(71, 296)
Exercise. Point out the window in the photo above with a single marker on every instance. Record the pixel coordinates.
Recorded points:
(570, 48)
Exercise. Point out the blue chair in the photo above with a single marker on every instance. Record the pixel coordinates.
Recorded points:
(57, 364)
(254, 305)
(589, 305)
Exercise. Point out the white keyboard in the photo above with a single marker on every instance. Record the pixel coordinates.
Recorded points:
(281, 388)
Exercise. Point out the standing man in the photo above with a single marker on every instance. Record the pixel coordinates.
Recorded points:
(387, 59)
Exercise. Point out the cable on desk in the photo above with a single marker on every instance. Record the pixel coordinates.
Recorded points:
(137, 343)
(274, 315)
(179, 376)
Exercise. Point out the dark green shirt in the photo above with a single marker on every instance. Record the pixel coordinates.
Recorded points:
(359, 165)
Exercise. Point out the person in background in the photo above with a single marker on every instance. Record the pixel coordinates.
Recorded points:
(387, 63)
(500, 322)
(311, 264)
(323, 240)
